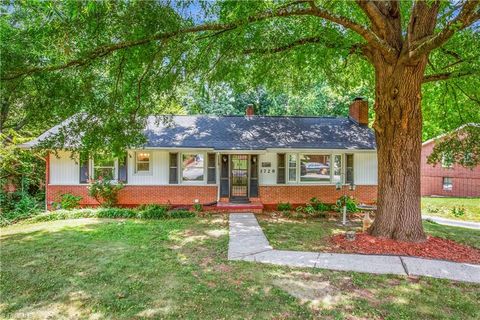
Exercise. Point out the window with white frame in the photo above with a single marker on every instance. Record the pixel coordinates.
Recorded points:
(103, 167)
(314, 168)
(193, 167)
(337, 168)
(447, 184)
(292, 168)
(447, 160)
(142, 162)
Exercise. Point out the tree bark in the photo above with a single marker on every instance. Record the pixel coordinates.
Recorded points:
(398, 130)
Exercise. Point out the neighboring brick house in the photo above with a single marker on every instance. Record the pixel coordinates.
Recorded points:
(445, 179)
(222, 161)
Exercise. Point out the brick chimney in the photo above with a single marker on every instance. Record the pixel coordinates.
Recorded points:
(249, 111)
(359, 111)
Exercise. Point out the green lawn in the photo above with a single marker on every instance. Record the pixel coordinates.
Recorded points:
(311, 234)
(177, 269)
(444, 207)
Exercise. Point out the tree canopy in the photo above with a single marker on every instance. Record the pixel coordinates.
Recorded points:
(112, 63)
(119, 61)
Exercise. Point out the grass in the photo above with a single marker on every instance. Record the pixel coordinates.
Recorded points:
(444, 207)
(177, 269)
(312, 234)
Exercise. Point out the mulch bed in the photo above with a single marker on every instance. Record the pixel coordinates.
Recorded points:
(434, 248)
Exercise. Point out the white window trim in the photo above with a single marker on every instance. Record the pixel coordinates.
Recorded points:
(180, 167)
(451, 184)
(298, 168)
(444, 164)
(150, 164)
(92, 169)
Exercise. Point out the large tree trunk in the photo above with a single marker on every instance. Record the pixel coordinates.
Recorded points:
(398, 129)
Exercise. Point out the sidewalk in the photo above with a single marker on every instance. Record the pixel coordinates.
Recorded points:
(248, 243)
(453, 223)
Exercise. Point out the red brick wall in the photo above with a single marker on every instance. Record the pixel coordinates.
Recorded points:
(135, 195)
(466, 182)
(301, 194)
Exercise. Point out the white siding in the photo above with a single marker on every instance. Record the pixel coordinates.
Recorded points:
(63, 169)
(267, 175)
(158, 176)
(365, 168)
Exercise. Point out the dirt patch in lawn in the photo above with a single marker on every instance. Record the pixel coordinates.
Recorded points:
(323, 292)
(435, 248)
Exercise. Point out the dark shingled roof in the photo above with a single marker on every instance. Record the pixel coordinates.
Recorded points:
(250, 133)
(258, 133)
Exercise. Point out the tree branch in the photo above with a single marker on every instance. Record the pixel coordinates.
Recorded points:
(448, 75)
(108, 49)
(465, 18)
(289, 46)
(374, 14)
(364, 32)
(287, 10)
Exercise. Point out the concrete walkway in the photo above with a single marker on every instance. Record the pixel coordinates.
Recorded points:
(248, 243)
(453, 223)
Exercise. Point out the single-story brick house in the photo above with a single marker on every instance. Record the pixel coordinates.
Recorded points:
(241, 162)
(448, 179)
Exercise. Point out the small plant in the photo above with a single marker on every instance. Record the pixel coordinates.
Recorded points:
(153, 211)
(319, 206)
(309, 209)
(287, 214)
(117, 213)
(458, 212)
(432, 209)
(105, 192)
(284, 206)
(67, 201)
(180, 213)
(347, 201)
(197, 207)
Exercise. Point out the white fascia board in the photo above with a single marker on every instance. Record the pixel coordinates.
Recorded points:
(288, 150)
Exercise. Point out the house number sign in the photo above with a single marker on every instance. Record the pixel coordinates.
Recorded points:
(267, 170)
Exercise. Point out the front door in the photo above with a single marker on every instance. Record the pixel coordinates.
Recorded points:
(239, 177)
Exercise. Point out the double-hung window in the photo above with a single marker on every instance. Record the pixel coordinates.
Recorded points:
(142, 162)
(193, 167)
(447, 160)
(447, 184)
(292, 168)
(103, 167)
(337, 168)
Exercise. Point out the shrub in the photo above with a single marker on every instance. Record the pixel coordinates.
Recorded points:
(284, 206)
(67, 201)
(105, 192)
(309, 209)
(319, 206)
(197, 207)
(458, 212)
(153, 211)
(180, 213)
(347, 201)
(64, 214)
(117, 213)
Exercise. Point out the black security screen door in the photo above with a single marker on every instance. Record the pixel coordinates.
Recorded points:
(239, 177)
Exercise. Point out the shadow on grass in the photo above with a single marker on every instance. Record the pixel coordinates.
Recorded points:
(178, 269)
(93, 270)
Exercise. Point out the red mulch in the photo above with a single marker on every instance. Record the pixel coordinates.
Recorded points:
(434, 248)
